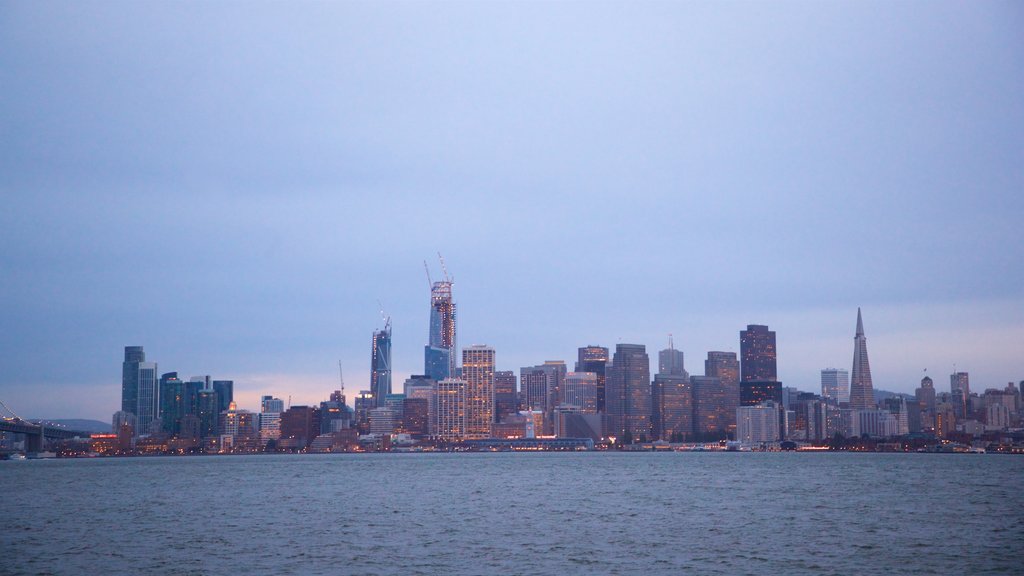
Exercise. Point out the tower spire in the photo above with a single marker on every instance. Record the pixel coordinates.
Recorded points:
(860, 324)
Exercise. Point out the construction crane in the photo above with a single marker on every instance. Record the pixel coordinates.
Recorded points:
(385, 317)
(430, 282)
(444, 268)
(341, 378)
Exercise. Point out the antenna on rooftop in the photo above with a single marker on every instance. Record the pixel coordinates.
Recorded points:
(341, 377)
(671, 345)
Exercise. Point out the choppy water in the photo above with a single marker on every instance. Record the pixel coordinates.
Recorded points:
(675, 513)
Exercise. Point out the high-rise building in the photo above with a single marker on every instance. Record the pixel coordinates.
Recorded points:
(225, 392)
(439, 354)
(715, 411)
(478, 372)
(670, 361)
(300, 425)
(594, 359)
(174, 403)
(628, 394)
(758, 424)
(757, 354)
(671, 408)
(714, 406)
(505, 397)
(580, 391)
(835, 386)
(363, 404)
(862, 395)
(207, 409)
(380, 363)
(533, 383)
(449, 418)
(754, 392)
(960, 389)
(271, 404)
(140, 390)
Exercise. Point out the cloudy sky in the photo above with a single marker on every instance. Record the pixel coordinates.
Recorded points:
(234, 186)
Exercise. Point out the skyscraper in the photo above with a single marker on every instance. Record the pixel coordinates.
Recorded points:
(757, 354)
(449, 417)
(861, 390)
(533, 383)
(671, 407)
(478, 372)
(960, 388)
(580, 391)
(835, 385)
(225, 392)
(505, 399)
(174, 404)
(380, 364)
(715, 409)
(628, 393)
(140, 390)
(594, 359)
(439, 354)
(670, 361)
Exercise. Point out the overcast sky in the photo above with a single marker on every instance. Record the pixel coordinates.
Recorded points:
(235, 185)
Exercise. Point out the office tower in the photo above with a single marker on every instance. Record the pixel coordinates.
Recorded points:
(380, 363)
(505, 398)
(555, 371)
(140, 392)
(173, 403)
(207, 409)
(580, 391)
(714, 406)
(225, 392)
(334, 415)
(450, 413)
(925, 395)
(754, 392)
(300, 425)
(960, 388)
(478, 372)
(363, 404)
(239, 424)
(758, 424)
(671, 408)
(835, 386)
(123, 420)
(415, 416)
(439, 354)
(269, 419)
(670, 361)
(533, 383)
(718, 411)
(628, 394)
(862, 395)
(757, 354)
(594, 359)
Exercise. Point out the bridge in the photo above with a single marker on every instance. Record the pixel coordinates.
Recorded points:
(35, 433)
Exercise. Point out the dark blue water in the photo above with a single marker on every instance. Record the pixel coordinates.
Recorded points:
(672, 513)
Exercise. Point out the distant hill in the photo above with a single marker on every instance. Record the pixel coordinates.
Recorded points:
(883, 394)
(81, 425)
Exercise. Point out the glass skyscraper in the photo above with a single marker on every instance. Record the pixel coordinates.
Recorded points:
(757, 354)
(380, 364)
(628, 393)
(439, 354)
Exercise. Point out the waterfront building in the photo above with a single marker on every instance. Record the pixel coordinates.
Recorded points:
(450, 412)
(671, 407)
(713, 401)
(416, 416)
(123, 420)
(382, 420)
(861, 390)
(628, 394)
(835, 386)
(478, 373)
(238, 424)
(581, 391)
(757, 354)
(334, 415)
(439, 354)
(594, 359)
(505, 397)
(758, 424)
(174, 403)
(380, 363)
(299, 426)
(571, 422)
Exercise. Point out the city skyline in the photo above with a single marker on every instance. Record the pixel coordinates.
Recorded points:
(238, 191)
